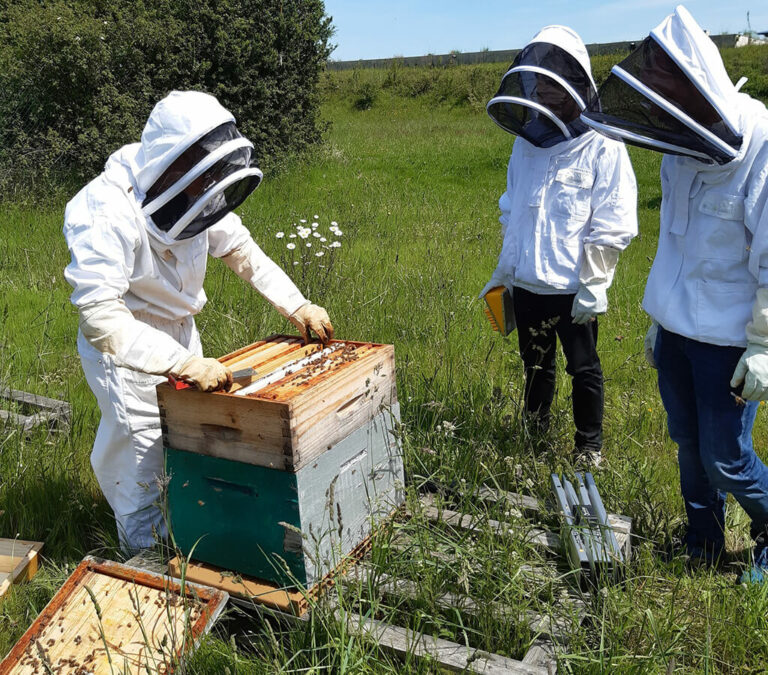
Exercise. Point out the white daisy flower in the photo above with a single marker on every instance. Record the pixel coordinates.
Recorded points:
(316, 217)
(290, 246)
(303, 234)
(316, 234)
(309, 244)
(323, 239)
(295, 262)
(334, 223)
(335, 244)
(303, 220)
(292, 235)
(315, 225)
(320, 254)
(280, 235)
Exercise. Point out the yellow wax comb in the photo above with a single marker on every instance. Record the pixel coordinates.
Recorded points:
(499, 310)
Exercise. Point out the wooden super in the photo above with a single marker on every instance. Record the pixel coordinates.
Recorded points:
(286, 474)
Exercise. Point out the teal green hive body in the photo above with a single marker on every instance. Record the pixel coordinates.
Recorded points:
(287, 527)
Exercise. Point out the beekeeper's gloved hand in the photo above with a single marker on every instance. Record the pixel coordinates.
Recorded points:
(595, 277)
(499, 278)
(649, 343)
(206, 374)
(312, 317)
(752, 368)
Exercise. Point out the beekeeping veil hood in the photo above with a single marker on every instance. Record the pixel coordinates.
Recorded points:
(548, 85)
(192, 167)
(672, 94)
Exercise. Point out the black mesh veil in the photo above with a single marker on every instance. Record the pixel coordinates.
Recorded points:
(542, 95)
(188, 192)
(648, 101)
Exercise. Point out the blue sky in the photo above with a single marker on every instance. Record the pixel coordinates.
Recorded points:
(369, 29)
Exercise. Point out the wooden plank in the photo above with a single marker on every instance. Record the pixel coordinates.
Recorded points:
(140, 616)
(542, 654)
(43, 402)
(402, 588)
(258, 591)
(18, 562)
(511, 499)
(257, 432)
(448, 655)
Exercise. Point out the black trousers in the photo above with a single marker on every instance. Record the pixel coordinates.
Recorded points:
(541, 319)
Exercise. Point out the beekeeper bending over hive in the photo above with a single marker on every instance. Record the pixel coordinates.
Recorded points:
(139, 235)
(707, 292)
(569, 209)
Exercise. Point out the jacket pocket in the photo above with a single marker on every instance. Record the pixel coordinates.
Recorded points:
(723, 310)
(720, 231)
(571, 193)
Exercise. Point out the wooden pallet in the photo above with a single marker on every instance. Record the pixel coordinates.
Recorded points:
(109, 618)
(49, 411)
(18, 562)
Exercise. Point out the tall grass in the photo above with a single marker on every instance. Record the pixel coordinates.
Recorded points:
(413, 184)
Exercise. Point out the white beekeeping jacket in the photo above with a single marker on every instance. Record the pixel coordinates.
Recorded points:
(713, 242)
(557, 200)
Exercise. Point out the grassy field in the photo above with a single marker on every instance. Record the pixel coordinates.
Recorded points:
(413, 184)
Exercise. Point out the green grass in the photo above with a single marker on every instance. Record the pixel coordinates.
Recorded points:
(413, 185)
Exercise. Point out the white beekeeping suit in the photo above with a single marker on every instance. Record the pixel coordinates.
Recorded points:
(570, 203)
(708, 286)
(139, 235)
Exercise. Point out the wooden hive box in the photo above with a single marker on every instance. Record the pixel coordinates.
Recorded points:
(18, 562)
(283, 476)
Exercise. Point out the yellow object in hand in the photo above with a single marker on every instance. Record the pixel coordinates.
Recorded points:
(500, 310)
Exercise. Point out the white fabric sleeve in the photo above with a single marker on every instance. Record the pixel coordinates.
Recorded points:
(505, 206)
(757, 329)
(110, 328)
(598, 265)
(231, 241)
(756, 218)
(249, 262)
(102, 259)
(614, 198)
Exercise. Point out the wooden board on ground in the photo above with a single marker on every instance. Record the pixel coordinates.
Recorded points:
(18, 562)
(108, 618)
(289, 422)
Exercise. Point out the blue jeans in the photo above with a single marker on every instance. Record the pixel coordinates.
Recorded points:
(713, 431)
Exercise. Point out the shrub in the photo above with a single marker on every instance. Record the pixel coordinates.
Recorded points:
(78, 79)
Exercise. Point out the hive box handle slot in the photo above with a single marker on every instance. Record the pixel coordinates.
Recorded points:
(350, 406)
(220, 484)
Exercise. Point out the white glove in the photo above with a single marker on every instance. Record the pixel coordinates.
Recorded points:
(595, 277)
(499, 278)
(312, 317)
(110, 328)
(649, 343)
(205, 374)
(249, 262)
(752, 368)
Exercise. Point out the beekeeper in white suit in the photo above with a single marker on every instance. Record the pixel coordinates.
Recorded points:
(139, 236)
(569, 209)
(707, 292)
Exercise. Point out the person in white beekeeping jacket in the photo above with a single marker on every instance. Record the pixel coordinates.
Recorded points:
(707, 292)
(139, 235)
(569, 208)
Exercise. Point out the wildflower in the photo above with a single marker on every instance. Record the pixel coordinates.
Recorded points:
(334, 223)
(334, 244)
(292, 235)
(303, 233)
(323, 239)
(295, 262)
(315, 217)
(303, 220)
(320, 254)
(309, 244)
(315, 225)
(316, 234)
(290, 246)
(280, 235)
